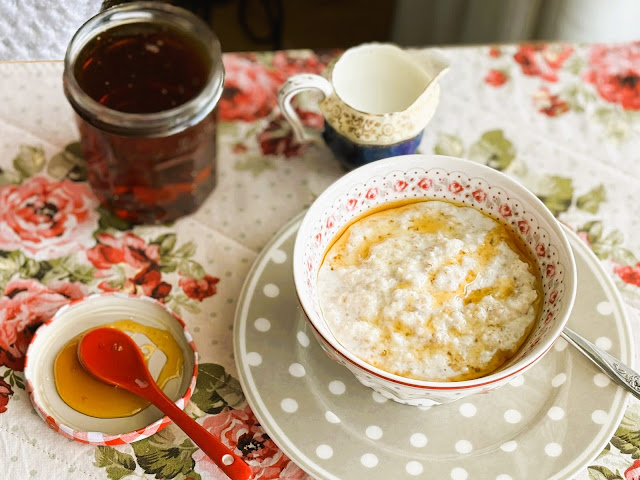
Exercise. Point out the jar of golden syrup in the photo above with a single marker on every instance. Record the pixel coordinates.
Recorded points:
(144, 79)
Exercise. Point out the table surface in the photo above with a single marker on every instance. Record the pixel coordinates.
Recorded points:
(562, 119)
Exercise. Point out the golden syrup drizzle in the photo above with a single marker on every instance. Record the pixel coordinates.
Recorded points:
(386, 226)
(86, 394)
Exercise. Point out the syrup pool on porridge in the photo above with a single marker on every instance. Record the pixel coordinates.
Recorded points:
(430, 290)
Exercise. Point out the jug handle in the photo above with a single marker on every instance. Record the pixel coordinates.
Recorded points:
(290, 88)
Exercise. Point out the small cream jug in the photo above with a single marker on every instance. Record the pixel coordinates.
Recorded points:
(377, 101)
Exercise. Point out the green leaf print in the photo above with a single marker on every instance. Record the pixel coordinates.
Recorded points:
(254, 164)
(216, 389)
(158, 455)
(493, 150)
(556, 193)
(450, 145)
(109, 220)
(117, 464)
(578, 97)
(192, 269)
(65, 268)
(69, 163)
(597, 472)
(627, 436)
(9, 177)
(590, 201)
(165, 242)
(29, 161)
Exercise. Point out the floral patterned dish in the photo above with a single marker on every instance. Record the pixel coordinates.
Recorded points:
(548, 423)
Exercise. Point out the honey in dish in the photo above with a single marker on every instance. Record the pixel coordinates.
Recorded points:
(90, 396)
(342, 257)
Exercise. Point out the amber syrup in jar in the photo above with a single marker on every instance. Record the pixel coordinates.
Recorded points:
(146, 114)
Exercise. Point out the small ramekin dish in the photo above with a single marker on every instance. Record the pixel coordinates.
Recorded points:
(91, 312)
(435, 177)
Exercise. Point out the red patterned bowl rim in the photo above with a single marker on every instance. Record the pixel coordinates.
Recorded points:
(319, 218)
(100, 438)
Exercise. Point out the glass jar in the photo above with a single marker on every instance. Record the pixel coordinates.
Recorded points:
(144, 80)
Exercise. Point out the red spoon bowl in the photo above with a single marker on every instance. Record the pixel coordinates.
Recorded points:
(87, 314)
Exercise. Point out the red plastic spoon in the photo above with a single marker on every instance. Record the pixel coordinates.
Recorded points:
(114, 357)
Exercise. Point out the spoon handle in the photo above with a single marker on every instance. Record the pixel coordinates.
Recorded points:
(232, 465)
(614, 368)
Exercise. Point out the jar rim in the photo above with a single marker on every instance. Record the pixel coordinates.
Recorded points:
(162, 123)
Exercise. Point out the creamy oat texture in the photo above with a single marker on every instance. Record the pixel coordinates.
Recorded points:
(430, 291)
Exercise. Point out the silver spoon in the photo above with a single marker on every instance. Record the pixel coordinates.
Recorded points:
(614, 368)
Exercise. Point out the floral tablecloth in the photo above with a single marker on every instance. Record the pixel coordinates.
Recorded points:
(563, 119)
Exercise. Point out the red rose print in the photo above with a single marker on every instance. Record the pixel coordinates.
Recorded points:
(199, 289)
(615, 72)
(455, 187)
(400, 185)
(26, 304)
(278, 139)
(505, 210)
(129, 249)
(551, 270)
(479, 195)
(286, 64)
(553, 297)
(351, 204)
(628, 274)
(318, 239)
(550, 105)
(330, 221)
(5, 393)
(150, 280)
(425, 183)
(633, 472)
(523, 227)
(548, 318)
(542, 60)
(495, 52)
(372, 193)
(541, 251)
(495, 78)
(240, 431)
(239, 148)
(47, 219)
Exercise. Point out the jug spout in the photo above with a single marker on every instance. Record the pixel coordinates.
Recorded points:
(434, 64)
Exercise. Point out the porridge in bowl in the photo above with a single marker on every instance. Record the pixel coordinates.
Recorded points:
(430, 290)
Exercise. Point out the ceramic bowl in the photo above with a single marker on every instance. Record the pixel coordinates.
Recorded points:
(92, 312)
(433, 177)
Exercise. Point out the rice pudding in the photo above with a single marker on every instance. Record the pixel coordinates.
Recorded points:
(430, 290)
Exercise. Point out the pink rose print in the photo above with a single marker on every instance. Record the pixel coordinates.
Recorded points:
(455, 187)
(542, 61)
(495, 78)
(495, 52)
(633, 472)
(628, 274)
(479, 195)
(27, 304)
(615, 72)
(551, 270)
(541, 251)
(523, 227)
(47, 219)
(240, 431)
(550, 105)
(371, 193)
(505, 210)
(5, 393)
(425, 183)
(553, 297)
(199, 289)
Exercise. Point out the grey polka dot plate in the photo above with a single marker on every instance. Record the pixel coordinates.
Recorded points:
(546, 424)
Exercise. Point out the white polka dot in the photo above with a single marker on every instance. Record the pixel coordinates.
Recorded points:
(601, 380)
(509, 446)
(560, 344)
(463, 446)
(271, 290)
(369, 460)
(303, 339)
(600, 417)
(254, 359)
(555, 413)
(553, 449)
(262, 324)
(337, 387)
(289, 405)
(297, 370)
(414, 468)
(558, 380)
(378, 398)
(512, 416)
(603, 342)
(374, 432)
(418, 440)
(278, 256)
(324, 451)
(504, 476)
(517, 382)
(459, 474)
(331, 417)
(468, 409)
(604, 308)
